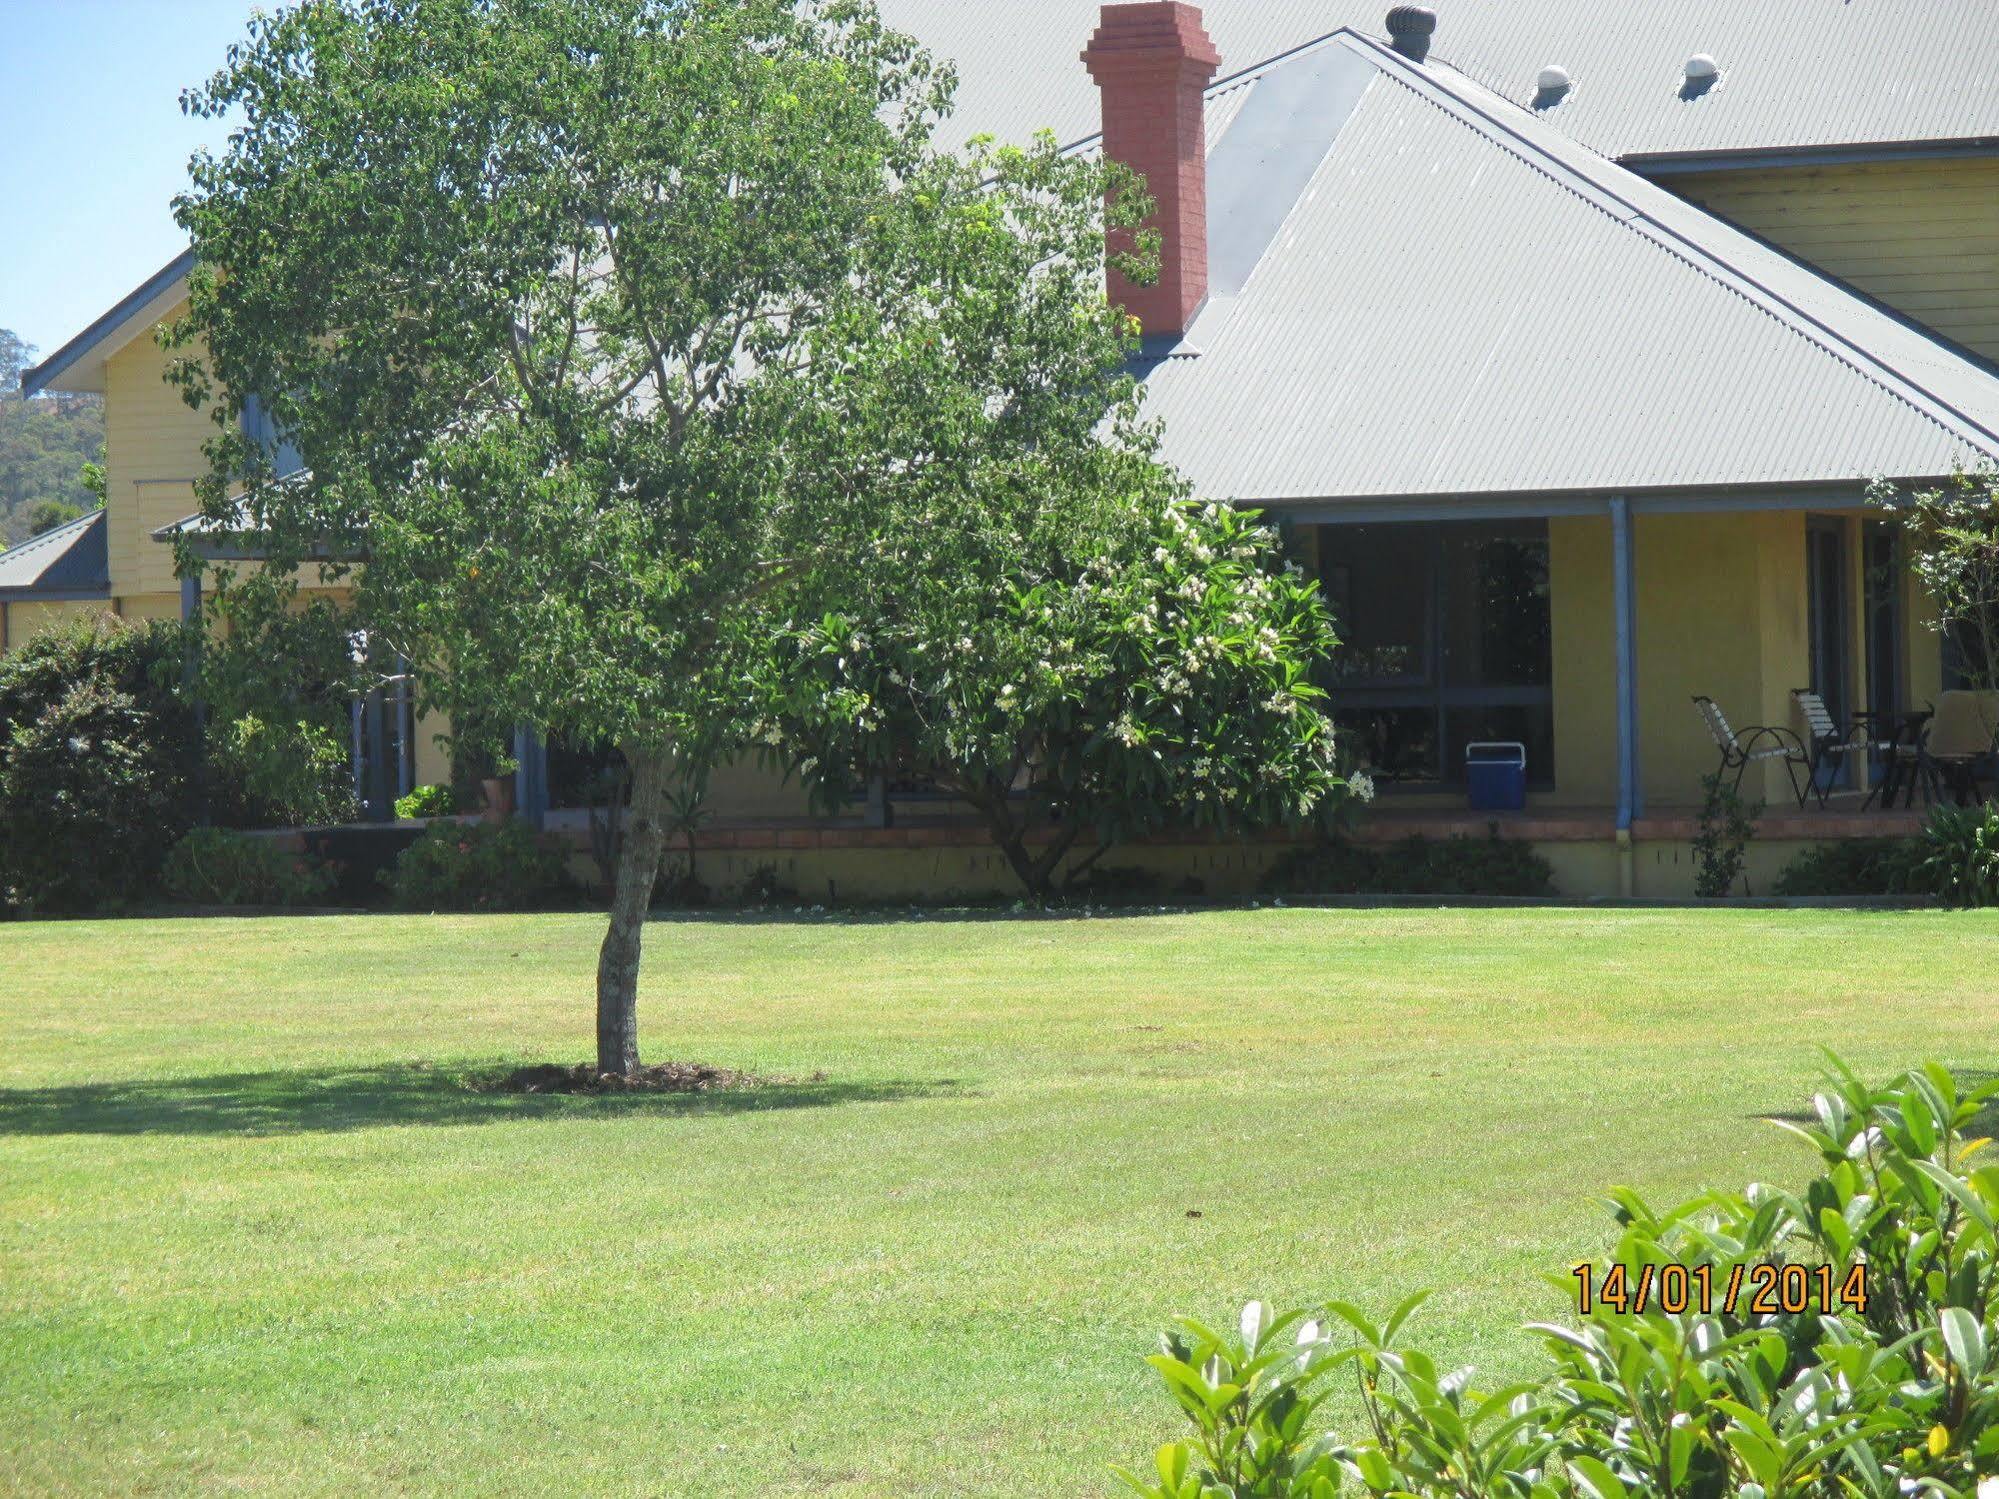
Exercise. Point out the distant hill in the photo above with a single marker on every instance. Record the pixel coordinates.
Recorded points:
(44, 444)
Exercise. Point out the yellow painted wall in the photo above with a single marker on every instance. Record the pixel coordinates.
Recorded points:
(22, 620)
(1923, 236)
(1721, 612)
(152, 456)
(1583, 628)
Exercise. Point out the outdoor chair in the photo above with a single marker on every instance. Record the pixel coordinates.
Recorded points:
(1827, 744)
(1758, 742)
(1959, 748)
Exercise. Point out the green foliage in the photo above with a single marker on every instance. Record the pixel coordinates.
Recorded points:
(1134, 666)
(277, 675)
(1854, 866)
(427, 801)
(46, 515)
(482, 866)
(687, 319)
(1727, 823)
(1960, 855)
(1414, 866)
(46, 445)
(1950, 538)
(97, 763)
(269, 775)
(1842, 1396)
(219, 867)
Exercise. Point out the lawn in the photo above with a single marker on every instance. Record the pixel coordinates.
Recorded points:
(254, 1234)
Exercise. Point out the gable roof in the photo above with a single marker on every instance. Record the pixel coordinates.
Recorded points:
(79, 364)
(1419, 289)
(1795, 74)
(69, 562)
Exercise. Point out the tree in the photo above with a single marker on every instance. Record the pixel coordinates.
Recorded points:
(597, 326)
(1950, 539)
(46, 448)
(46, 515)
(1108, 680)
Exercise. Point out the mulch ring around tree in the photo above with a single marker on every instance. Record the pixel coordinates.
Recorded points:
(661, 1077)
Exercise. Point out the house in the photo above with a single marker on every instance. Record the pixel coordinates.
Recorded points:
(1564, 338)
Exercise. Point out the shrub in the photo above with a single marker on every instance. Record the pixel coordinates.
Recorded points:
(1858, 866)
(97, 760)
(1491, 866)
(215, 866)
(1883, 1384)
(263, 774)
(1727, 823)
(476, 867)
(427, 801)
(1960, 855)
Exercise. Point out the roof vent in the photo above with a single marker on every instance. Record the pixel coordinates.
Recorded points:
(1552, 85)
(1702, 72)
(1410, 28)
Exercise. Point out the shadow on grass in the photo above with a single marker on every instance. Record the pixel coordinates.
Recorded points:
(1983, 1124)
(333, 1099)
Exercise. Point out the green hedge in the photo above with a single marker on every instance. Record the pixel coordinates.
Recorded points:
(99, 755)
(220, 867)
(479, 866)
(1415, 866)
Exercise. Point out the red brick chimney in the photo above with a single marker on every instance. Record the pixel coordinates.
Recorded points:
(1153, 62)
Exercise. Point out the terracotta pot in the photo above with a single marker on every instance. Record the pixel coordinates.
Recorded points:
(499, 793)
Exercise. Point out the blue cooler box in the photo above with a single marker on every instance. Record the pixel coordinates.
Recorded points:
(1496, 774)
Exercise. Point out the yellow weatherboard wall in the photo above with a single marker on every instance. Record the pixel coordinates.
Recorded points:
(152, 456)
(1923, 236)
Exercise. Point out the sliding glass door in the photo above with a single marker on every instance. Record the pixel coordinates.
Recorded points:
(1444, 641)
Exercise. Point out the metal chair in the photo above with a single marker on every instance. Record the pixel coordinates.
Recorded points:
(1758, 742)
(1826, 742)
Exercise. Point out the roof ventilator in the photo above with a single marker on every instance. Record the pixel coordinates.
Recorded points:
(1701, 75)
(1551, 85)
(1410, 28)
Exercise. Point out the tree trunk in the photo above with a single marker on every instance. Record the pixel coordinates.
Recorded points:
(1036, 874)
(631, 898)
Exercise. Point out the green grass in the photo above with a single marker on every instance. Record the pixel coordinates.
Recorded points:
(253, 1235)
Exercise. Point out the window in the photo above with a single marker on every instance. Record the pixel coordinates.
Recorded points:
(1444, 641)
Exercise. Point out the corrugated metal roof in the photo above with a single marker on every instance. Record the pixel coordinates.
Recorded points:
(1794, 73)
(1462, 301)
(71, 561)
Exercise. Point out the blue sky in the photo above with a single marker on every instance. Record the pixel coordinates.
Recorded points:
(93, 147)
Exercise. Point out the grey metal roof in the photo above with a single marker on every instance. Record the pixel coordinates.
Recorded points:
(1454, 298)
(68, 562)
(1794, 73)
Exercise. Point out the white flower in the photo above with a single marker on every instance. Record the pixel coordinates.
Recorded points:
(1988, 1488)
(1361, 784)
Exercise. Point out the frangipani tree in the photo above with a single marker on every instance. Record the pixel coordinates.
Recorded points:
(1101, 675)
(611, 332)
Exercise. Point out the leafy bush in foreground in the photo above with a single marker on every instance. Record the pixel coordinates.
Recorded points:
(1893, 1398)
(215, 866)
(476, 867)
(1414, 866)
